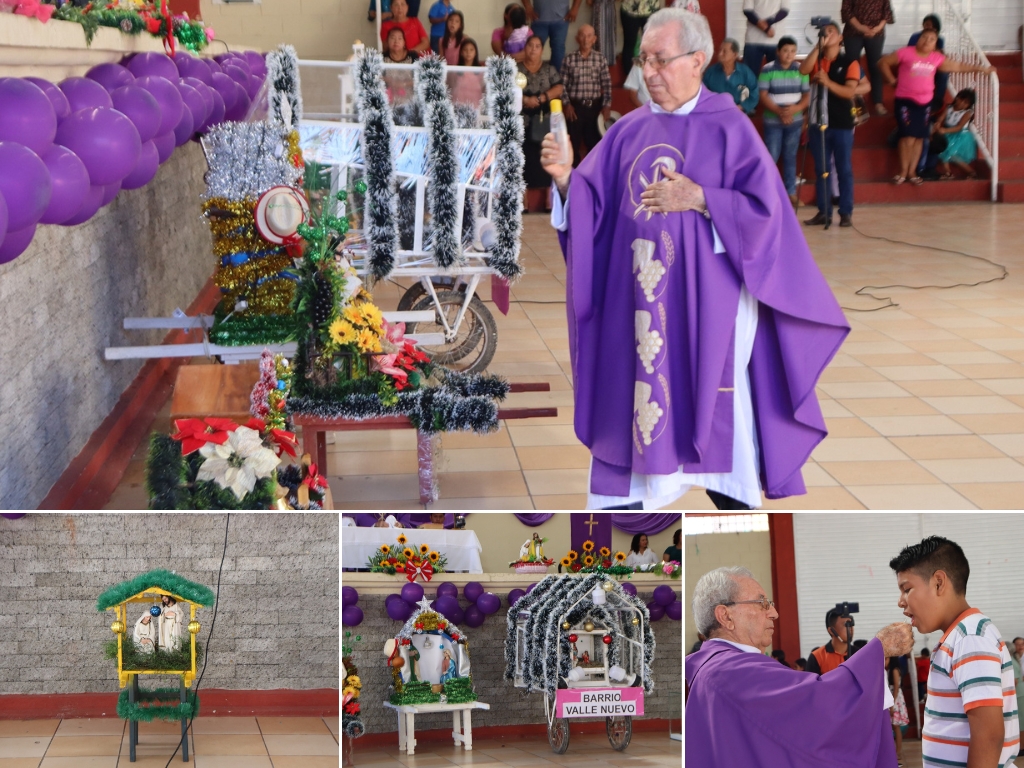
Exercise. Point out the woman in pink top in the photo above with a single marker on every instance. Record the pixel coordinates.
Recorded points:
(915, 85)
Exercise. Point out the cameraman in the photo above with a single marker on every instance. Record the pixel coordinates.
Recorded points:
(834, 81)
(835, 651)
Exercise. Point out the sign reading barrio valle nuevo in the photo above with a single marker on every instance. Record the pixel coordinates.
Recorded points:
(600, 702)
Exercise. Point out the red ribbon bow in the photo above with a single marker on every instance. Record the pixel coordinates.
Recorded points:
(314, 481)
(195, 433)
(415, 568)
(283, 440)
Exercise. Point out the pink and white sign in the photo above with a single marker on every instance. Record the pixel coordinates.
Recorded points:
(599, 702)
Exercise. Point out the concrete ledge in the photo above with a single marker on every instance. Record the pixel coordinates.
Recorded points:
(500, 583)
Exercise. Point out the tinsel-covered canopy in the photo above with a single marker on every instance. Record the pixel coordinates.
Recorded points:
(165, 580)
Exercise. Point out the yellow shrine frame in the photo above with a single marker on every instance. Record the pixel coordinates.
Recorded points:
(120, 628)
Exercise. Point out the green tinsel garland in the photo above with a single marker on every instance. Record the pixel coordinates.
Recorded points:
(173, 710)
(133, 658)
(191, 34)
(256, 329)
(459, 690)
(171, 582)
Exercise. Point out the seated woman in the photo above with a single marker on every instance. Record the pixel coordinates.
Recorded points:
(961, 148)
(397, 52)
(400, 84)
(640, 553)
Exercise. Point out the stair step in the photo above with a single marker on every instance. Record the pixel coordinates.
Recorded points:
(1010, 168)
(1008, 60)
(1011, 128)
(907, 194)
(1010, 91)
(1013, 110)
(1011, 192)
(1011, 148)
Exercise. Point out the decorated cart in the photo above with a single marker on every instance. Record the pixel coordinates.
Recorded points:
(587, 645)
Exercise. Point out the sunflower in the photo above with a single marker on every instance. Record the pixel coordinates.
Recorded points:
(572, 555)
(620, 556)
(605, 552)
(566, 562)
(401, 539)
(371, 315)
(408, 552)
(342, 333)
(434, 557)
(385, 549)
(588, 546)
(424, 548)
(588, 560)
(352, 314)
(369, 342)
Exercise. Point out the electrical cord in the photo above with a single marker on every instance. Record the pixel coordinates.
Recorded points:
(206, 651)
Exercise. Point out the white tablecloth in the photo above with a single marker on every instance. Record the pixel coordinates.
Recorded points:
(462, 548)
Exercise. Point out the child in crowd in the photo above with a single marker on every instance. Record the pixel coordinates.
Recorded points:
(438, 16)
(451, 43)
(971, 708)
(961, 148)
(516, 41)
(468, 87)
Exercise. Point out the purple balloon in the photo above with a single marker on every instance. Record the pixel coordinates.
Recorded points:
(352, 616)
(141, 107)
(675, 611)
(239, 63)
(3, 218)
(15, 243)
(90, 205)
(109, 193)
(164, 144)
(195, 103)
(412, 593)
(391, 598)
(70, 183)
(349, 596)
(515, 595)
(225, 86)
(153, 64)
(213, 66)
(105, 140)
(145, 170)
(399, 610)
(217, 114)
(254, 86)
(237, 74)
(25, 185)
(529, 589)
(447, 589)
(445, 606)
(190, 66)
(628, 587)
(456, 615)
(184, 129)
(473, 616)
(657, 611)
(26, 115)
(489, 603)
(238, 112)
(664, 596)
(58, 100)
(84, 93)
(206, 92)
(111, 76)
(257, 64)
(472, 591)
(167, 96)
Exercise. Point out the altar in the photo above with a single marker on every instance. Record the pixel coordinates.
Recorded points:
(461, 547)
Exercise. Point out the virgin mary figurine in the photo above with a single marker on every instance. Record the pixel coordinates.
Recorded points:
(447, 667)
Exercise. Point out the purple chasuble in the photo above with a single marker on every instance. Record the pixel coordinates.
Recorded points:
(746, 709)
(652, 308)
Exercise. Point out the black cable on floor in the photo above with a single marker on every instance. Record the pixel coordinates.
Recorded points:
(206, 651)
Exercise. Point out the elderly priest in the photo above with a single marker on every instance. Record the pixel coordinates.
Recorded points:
(746, 709)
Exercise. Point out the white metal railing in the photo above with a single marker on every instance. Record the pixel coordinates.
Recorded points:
(961, 46)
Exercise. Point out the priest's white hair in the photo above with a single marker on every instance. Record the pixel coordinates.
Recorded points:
(694, 32)
(714, 588)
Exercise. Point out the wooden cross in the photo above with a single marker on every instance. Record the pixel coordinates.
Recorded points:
(591, 522)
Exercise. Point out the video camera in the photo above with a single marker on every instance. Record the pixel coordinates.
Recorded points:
(845, 609)
(821, 22)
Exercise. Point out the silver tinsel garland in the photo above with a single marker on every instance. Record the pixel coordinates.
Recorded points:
(547, 603)
(284, 94)
(246, 159)
(377, 137)
(508, 204)
(442, 160)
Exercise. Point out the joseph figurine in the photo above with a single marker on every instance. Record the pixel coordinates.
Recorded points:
(699, 323)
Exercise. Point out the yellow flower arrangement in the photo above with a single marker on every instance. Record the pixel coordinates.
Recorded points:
(385, 549)
(351, 690)
(605, 552)
(424, 548)
(352, 314)
(588, 560)
(354, 681)
(620, 556)
(588, 546)
(401, 539)
(369, 342)
(566, 562)
(433, 557)
(342, 333)
(572, 555)
(371, 315)
(408, 552)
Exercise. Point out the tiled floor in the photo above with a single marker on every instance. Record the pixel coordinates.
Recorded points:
(645, 750)
(216, 742)
(924, 403)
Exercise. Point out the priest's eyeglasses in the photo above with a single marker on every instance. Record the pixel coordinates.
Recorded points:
(764, 602)
(657, 62)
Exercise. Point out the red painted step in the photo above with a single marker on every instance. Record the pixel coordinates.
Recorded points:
(1010, 148)
(1010, 110)
(1011, 191)
(874, 192)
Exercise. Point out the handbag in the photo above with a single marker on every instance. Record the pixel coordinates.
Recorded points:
(540, 126)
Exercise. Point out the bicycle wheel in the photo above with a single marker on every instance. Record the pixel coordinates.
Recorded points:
(558, 735)
(620, 731)
(473, 346)
(416, 291)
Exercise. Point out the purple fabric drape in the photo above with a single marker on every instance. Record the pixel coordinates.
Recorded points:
(655, 522)
(533, 520)
(12, 515)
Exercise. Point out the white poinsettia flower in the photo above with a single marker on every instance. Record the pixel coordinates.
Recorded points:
(238, 463)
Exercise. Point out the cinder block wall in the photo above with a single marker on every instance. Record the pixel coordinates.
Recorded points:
(509, 705)
(65, 299)
(277, 620)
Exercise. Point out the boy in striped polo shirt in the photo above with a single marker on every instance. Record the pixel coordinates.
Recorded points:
(970, 716)
(784, 94)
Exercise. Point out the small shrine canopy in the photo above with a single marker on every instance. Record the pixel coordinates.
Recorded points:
(158, 582)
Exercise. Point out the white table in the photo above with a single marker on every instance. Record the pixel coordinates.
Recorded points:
(407, 722)
(462, 548)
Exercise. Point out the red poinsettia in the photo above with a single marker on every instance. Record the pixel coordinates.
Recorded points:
(195, 433)
(352, 708)
(575, 567)
(606, 563)
(283, 441)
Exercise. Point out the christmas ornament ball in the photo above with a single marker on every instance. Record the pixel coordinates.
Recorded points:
(635, 621)
(398, 662)
(589, 626)
(566, 625)
(573, 638)
(607, 639)
(360, 186)
(608, 586)
(154, 611)
(194, 627)
(117, 627)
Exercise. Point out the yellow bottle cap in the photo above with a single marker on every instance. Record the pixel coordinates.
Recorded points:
(556, 106)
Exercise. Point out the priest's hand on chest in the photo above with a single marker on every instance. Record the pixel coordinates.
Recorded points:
(675, 192)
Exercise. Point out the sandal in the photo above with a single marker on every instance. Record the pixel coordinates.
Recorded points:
(917, 181)
(897, 180)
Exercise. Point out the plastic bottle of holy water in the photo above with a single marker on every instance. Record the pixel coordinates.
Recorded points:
(561, 131)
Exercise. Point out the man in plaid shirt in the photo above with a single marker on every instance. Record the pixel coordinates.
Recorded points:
(588, 92)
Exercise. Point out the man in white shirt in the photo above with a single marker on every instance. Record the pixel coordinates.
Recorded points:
(763, 31)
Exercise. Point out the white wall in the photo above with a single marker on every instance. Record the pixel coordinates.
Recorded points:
(846, 557)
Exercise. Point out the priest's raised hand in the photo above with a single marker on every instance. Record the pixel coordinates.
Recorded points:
(549, 158)
(897, 639)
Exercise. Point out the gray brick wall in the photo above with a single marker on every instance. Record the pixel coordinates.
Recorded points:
(509, 705)
(277, 622)
(64, 300)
